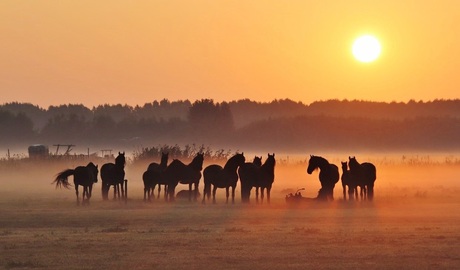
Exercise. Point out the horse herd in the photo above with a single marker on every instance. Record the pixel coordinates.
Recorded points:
(251, 175)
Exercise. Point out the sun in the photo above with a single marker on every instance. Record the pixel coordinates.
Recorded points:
(366, 48)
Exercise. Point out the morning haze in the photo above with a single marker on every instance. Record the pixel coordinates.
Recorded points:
(219, 134)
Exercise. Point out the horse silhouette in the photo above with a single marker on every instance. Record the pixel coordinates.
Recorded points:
(177, 172)
(248, 177)
(328, 176)
(348, 180)
(265, 178)
(217, 177)
(152, 177)
(113, 174)
(365, 174)
(84, 176)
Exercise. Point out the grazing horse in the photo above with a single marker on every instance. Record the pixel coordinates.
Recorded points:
(328, 176)
(350, 181)
(177, 172)
(248, 177)
(218, 177)
(84, 176)
(113, 175)
(265, 178)
(152, 175)
(365, 174)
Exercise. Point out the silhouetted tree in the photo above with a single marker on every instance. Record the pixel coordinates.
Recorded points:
(210, 120)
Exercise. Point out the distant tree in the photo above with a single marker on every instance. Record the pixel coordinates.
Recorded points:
(208, 119)
(15, 127)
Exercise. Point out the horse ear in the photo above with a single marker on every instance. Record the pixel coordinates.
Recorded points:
(119, 152)
(242, 153)
(123, 152)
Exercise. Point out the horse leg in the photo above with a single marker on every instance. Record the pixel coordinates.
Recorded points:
(196, 191)
(370, 192)
(351, 193)
(344, 188)
(76, 192)
(190, 192)
(233, 194)
(262, 195)
(203, 201)
(227, 192)
(214, 189)
(257, 194)
(268, 194)
(123, 194)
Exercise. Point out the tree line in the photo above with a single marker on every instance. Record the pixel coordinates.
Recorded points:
(278, 125)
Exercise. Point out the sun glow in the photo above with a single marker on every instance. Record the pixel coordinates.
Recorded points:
(366, 48)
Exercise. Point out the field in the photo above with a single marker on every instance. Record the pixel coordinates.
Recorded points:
(413, 223)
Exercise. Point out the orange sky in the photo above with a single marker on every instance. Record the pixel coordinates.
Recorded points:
(95, 52)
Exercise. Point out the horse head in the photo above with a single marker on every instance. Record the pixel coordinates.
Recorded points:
(164, 158)
(94, 171)
(312, 164)
(120, 160)
(257, 161)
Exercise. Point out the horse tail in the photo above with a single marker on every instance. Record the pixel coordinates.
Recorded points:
(61, 179)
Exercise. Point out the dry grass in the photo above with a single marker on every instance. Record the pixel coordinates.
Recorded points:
(413, 223)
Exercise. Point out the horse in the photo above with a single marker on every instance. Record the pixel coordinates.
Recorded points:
(218, 177)
(151, 177)
(248, 177)
(84, 176)
(177, 172)
(265, 178)
(350, 181)
(328, 176)
(365, 174)
(113, 175)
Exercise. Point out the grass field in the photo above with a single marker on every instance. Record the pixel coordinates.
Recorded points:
(413, 223)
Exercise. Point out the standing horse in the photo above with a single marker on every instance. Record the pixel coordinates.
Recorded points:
(350, 181)
(152, 175)
(328, 176)
(365, 174)
(84, 176)
(189, 174)
(265, 178)
(113, 175)
(219, 177)
(248, 177)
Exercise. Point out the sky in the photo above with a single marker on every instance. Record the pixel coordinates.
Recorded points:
(132, 52)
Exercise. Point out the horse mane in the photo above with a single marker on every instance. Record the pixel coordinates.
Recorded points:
(197, 161)
(238, 158)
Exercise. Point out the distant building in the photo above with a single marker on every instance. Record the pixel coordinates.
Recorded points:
(38, 151)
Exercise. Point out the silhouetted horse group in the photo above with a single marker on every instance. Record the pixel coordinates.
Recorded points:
(214, 176)
(112, 174)
(358, 175)
(171, 175)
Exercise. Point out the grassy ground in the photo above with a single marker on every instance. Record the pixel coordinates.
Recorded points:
(413, 223)
(47, 233)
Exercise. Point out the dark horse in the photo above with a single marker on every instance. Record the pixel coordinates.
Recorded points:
(258, 176)
(113, 175)
(218, 177)
(152, 177)
(177, 172)
(248, 177)
(84, 176)
(350, 181)
(328, 176)
(365, 174)
(265, 178)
